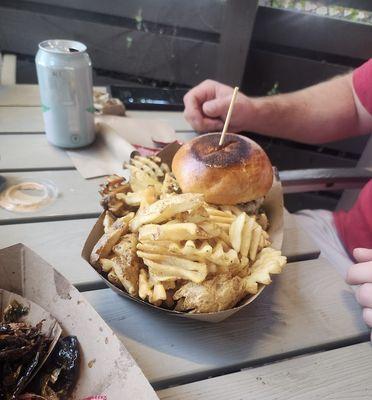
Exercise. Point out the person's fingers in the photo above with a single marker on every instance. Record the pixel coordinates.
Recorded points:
(193, 101)
(207, 125)
(359, 273)
(217, 107)
(212, 125)
(362, 255)
(192, 112)
(367, 316)
(364, 295)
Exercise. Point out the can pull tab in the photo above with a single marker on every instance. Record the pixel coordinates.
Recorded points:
(72, 50)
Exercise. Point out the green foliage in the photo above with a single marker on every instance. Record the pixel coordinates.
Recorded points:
(322, 8)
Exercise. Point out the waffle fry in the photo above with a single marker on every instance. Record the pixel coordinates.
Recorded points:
(164, 209)
(219, 254)
(108, 221)
(175, 250)
(171, 267)
(269, 261)
(175, 231)
(247, 236)
(169, 186)
(154, 293)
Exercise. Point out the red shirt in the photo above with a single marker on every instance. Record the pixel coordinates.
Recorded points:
(355, 226)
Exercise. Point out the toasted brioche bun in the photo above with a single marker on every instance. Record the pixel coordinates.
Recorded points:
(237, 172)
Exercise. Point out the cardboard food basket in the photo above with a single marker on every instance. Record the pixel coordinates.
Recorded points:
(273, 206)
(106, 367)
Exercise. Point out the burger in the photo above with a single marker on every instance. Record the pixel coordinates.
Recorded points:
(237, 172)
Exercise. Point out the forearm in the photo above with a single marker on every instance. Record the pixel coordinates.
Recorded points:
(318, 114)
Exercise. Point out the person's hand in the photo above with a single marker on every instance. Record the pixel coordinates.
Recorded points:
(206, 107)
(361, 274)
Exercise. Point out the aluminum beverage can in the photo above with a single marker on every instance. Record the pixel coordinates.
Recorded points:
(64, 72)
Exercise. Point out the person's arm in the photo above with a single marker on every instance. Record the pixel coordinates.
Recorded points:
(322, 113)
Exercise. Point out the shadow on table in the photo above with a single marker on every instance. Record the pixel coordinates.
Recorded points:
(203, 342)
(299, 312)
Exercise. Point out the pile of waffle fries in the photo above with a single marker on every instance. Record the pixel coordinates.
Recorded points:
(174, 250)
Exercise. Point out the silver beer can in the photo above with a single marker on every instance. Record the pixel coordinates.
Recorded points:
(64, 72)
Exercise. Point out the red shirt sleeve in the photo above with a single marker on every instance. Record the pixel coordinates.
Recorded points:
(362, 82)
(354, 227)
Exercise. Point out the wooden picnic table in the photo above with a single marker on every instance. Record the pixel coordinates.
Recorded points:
(303, 338)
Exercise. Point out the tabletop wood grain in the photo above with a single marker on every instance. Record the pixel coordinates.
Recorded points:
(30, 120)
(60, 243)
(32, 151)
(343, 373)
(307, 308)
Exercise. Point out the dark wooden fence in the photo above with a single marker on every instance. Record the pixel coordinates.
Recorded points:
(294, 50)
(177, 41)
(180, 43)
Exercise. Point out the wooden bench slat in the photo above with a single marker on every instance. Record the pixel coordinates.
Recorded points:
(307, 308)
(342, 373)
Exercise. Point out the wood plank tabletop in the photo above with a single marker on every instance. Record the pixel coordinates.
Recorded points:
(32, 151)
(343, 373)
(307, 308)
(11, 118)
(77, 196)
(60, 243)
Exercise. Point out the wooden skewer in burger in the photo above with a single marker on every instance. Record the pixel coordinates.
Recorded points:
(227, 168)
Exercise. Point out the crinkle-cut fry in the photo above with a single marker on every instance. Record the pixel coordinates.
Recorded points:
(107, 241)
(170, 186)
(164, 209)
(254, 247)
(155, 293)
(108, 220)
(215, 254)
(112, 277)
(131, 198)
(222, 220)
(233, 209)
(236, 230)
(247, 236)
(263, 221)
(224, 227)
(197, 215)
(127, 218)
(140, 180)
(148, 166)
(220, 213)
(269, 261)
(173, 231)
(152, 162)
(106, 264)
(139, 199)
(161, 265)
